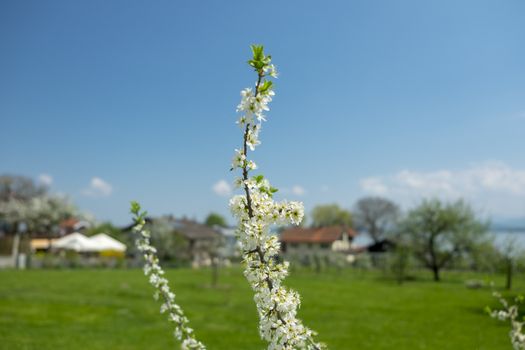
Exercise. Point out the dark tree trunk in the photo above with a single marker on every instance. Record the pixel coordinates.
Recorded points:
(317, 263)
(509, 274)
(435, 270)
(433, 259)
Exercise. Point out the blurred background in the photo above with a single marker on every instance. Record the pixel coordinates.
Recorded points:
(399, 125)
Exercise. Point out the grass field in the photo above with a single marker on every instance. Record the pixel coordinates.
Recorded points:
(113, 309)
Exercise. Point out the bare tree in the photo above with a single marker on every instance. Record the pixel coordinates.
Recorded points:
(376, 216)
(19, 187)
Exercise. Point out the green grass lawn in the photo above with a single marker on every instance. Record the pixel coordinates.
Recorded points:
(114, 309)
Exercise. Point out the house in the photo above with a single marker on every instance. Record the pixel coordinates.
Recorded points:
(72, 225)
(202, 242)
(230, 248)
(382, 246)
(41, 245)
(316, 241)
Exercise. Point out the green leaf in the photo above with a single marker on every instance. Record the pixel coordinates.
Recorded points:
(258, 178)
(267, 191)
(258, 52)
(135, 207)
(259, 60)
(267, 85)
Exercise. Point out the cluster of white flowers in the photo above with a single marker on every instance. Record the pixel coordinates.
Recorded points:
(156, 277)
(256, 212)
(510, 313)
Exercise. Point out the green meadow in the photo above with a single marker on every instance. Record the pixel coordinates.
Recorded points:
(351, 309)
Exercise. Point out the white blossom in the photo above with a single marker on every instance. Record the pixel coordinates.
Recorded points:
(510, 313)
(272, 71)
(156, 278)
(256, 212)
(239, 159)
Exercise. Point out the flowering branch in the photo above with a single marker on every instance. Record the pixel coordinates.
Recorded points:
(155, 273)
(256, 212)
(510, 313)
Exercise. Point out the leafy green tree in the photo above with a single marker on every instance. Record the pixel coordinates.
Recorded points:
(439, 232)
(485, 257)
(214, 219)
(329, 215)
(107, 228)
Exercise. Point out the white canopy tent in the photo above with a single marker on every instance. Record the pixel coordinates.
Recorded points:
(82, 244)
(75, 241)
(105, 242)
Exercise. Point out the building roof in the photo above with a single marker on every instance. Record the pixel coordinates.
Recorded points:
(106, 242)
(78, 242)
(75, 241)
(226, 231)
(69, 223)
(193, 230)
(73, 224)
(188, 228)
(315, 235)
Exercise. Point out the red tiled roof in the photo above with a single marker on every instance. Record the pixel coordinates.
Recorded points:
(315, 235)
(69, 223)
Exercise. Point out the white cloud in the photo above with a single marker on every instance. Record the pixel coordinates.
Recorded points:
(98, 188)
(222, 188)
(373, 185)
(45, 179)
(298, 190)
(295, 190)
(493, 186)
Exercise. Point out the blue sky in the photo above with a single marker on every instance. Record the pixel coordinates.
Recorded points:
(110, 101)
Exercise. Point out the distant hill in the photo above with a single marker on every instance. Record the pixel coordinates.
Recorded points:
(508, 225)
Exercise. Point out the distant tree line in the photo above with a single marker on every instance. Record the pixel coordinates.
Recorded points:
(27, 208)
(435, 234)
